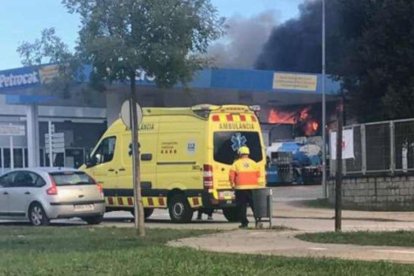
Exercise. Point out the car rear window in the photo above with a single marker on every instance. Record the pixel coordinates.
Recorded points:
(72, 178)
(227, 143)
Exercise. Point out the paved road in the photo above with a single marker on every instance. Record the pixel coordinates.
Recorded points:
(296, 193)
(286, 213)
(160, 218)
(285, 244)
(290, 214)
(282, 196)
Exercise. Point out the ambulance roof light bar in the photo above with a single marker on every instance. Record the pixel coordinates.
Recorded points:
(203, 110)
(200, 107)
(255, 108)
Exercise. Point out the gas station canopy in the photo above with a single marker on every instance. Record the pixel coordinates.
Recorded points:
(214, 85)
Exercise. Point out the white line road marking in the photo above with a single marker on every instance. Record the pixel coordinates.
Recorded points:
(317, 248)
(395, 251)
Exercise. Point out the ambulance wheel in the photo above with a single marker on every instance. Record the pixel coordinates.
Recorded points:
(179, 209)
(147, 212)
(232, 214)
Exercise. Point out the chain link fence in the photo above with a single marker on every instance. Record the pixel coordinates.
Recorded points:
(383, 147)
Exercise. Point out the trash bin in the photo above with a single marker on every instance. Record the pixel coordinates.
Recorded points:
(262, 201)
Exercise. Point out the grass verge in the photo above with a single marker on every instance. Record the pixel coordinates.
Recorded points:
(396, 238)
(115, 251)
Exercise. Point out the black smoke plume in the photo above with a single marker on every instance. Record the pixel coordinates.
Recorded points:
(296, 45)
(243, 41)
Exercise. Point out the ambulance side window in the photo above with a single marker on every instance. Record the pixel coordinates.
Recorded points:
(105, 151)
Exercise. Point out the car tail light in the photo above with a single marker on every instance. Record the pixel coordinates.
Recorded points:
(99, 185)
(53, 189)
(207, 176)
(100, 188)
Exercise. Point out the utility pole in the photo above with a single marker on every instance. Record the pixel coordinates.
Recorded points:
(325, 191)
(138, 206)
(338, 180)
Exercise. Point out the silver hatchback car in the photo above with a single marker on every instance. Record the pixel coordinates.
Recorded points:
(42, 194)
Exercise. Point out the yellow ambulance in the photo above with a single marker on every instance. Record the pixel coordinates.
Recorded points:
(186, 155)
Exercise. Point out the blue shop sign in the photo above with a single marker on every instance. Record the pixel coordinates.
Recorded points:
(28, 76)
(216, 78)
(19, 78)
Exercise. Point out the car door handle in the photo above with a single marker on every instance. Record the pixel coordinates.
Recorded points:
(5, 193)
(111, 170)
(121, 169)
(27, 193)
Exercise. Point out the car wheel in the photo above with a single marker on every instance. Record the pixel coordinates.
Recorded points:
(37, 215)
(93, 220)
(179, 209)
(232, 214)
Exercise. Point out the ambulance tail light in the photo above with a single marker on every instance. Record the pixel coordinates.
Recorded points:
(207, 176)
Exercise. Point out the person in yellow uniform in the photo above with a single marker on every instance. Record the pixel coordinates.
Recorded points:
(244, 177)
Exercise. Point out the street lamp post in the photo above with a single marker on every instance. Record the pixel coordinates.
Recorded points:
(324, 187)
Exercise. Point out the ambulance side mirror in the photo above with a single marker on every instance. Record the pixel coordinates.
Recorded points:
(90, 161)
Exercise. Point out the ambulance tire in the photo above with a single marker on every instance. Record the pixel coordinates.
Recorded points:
(147, 212)
(232, 214)
(179, 209)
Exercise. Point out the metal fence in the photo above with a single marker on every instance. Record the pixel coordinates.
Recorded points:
(383, 147)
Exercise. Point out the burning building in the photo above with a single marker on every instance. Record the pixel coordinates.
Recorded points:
(302, 120)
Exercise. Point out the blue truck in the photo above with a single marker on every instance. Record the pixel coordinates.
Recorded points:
(293, 162)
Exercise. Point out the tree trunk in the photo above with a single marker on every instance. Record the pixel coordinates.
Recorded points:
(338, 180)
(138, 206)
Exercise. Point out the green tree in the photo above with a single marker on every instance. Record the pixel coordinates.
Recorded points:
(166, 38)
(50, 49)
(381, 84)
(163, 37)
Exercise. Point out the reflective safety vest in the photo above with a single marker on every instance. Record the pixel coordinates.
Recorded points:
(245, 174)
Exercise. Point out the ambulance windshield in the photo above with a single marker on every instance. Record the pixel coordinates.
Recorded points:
(226, 144)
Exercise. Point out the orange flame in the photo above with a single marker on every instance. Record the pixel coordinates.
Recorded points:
(302, 116)
(311, 127)
(281, 117)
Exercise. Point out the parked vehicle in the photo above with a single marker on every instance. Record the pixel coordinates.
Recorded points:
(293, 162)
(42, 194)
(186, 155)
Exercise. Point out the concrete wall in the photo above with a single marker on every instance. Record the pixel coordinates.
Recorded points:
(376, 192)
